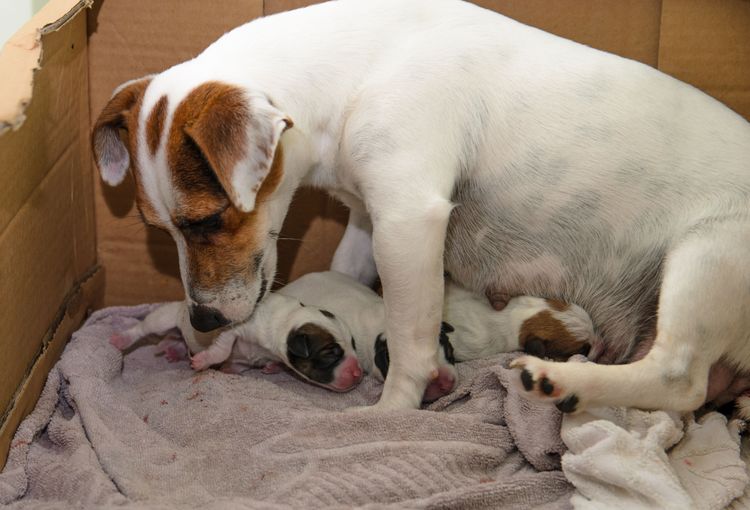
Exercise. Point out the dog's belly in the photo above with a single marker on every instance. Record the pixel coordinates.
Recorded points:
(517, 245)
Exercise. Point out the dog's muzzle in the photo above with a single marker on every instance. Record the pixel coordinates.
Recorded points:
(204, 318)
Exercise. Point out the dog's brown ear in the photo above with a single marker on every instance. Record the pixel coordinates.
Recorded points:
(111, 154)
(238, 135)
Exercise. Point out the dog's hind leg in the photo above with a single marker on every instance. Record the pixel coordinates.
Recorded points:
(353, 255)
(704, 312)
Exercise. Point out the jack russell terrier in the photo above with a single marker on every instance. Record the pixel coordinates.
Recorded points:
(463, 141)
(316, 323)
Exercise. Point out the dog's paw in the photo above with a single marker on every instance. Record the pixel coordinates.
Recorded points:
(120, 341)
(539, 380)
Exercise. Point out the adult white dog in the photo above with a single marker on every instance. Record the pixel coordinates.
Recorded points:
(462, 141)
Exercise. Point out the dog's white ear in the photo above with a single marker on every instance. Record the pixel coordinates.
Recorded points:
(111, 154)
(238, 135)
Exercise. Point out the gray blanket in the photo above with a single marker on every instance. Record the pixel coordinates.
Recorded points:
(137, 431)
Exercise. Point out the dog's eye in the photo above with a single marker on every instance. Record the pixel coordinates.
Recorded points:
(207, 225)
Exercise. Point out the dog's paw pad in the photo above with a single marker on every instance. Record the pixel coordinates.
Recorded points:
(568, 405)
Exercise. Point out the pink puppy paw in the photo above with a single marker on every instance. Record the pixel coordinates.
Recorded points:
(200, 361)
(272, 367)
(441, 385)
(174, 350)
(122, 342)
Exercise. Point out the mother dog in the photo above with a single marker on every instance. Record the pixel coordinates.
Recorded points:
(462, 141)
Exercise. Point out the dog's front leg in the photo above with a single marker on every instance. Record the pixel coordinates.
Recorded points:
(408, 243)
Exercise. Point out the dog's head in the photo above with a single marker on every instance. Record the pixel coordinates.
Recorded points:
(206, 159)
(320, 350)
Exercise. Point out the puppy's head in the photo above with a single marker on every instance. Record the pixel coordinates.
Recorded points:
(206, 160)
(320, 350)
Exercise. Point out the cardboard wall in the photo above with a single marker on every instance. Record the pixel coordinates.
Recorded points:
(47, 234)
(703, 42)
(48, 273)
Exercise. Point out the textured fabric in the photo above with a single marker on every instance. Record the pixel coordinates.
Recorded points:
(626, 458)
(137, 431)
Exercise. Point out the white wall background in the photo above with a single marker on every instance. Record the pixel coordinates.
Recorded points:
(14, 13)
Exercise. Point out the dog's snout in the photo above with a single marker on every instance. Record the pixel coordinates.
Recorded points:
(204, 318)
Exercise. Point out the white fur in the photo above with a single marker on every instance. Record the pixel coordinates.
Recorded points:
(574, 174)
(479, 330)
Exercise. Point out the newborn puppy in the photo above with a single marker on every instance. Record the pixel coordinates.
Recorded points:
(471, 327)
(282, 331)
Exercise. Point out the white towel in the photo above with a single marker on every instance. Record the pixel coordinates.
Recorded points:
(621, 458)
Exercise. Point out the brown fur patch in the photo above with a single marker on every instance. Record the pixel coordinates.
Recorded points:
(558, 342)
(557, 305)
(118, 120)
(324, 353)
(155, 124)
(206, 140)
(229, 252)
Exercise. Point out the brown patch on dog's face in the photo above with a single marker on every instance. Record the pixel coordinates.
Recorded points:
(155, 124)
(557, 305)
(545, 336)
(224, 243)
(207, 139)
(313, 352)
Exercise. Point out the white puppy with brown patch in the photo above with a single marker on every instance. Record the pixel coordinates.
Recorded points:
(313, 344)
(461, 140)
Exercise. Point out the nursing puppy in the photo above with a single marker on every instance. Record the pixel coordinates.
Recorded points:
(316, 346)
(470, 329)
(462, 141)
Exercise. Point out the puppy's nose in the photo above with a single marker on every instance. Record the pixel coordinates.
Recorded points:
(204, 318)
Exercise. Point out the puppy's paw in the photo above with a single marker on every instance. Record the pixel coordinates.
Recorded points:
(272, 367)
(173, 350)
(441, 384)
(200, 361)
(539, 379)
(120, 341)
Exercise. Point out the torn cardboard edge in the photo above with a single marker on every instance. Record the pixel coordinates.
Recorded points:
(84, 296)
(23, 52)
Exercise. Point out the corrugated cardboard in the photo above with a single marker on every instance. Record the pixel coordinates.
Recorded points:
(47, 234)
(57, 221)
(707, 44)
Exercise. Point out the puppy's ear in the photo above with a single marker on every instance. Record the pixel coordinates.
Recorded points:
(111, 154)
(238, 135)
(298, 344)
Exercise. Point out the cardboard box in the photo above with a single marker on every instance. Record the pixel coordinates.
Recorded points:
(69, 244)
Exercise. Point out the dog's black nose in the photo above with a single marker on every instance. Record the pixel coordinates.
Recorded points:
(204, 318)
